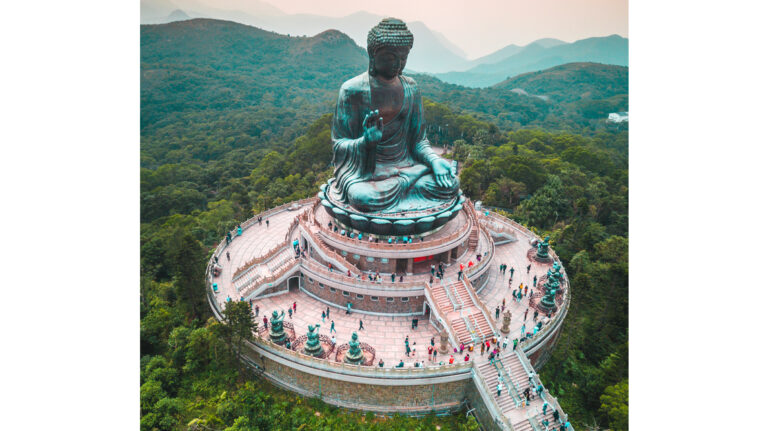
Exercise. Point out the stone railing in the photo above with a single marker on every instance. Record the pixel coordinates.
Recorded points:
(532, 344)
(342, 368)
(247, 266)
(486, 260)
(441, 317)
(272, 211)
(401, 246)
(497, 223)
(314, 268)
(320, 245)
(266, 281)
(546, 396)
(490, 402)
(481, 306)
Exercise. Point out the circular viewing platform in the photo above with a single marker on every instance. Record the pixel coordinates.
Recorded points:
(389, 291)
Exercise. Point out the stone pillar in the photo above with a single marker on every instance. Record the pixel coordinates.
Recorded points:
(507, 319)
(443, 342)
(409, 269)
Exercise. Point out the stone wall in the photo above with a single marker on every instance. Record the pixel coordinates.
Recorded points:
(481, 412)
(542, 354)
(380, 398)
(382, 304)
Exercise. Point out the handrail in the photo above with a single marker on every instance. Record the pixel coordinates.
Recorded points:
(458, 297)
(505, 377)
(479, 304)
(263, 283)
(443, 319)
(546, 396)
(448, 294)
(324, 249)
(321, 271)
(343, 368)
(472, 332)
(490, 403)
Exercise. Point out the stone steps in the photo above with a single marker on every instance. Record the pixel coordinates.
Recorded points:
(490, 376)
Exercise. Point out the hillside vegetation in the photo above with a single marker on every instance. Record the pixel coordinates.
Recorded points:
(215, 149)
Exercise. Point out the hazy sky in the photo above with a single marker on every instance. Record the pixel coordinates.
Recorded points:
(480, 27)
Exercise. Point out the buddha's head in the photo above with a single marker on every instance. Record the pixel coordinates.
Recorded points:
(389, 43)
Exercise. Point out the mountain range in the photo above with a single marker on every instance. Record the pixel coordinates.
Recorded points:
(199, 69)
(432, 52)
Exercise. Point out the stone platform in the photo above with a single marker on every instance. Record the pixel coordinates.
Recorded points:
(272, 278)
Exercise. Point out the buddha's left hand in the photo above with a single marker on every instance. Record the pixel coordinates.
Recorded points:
(443, 173)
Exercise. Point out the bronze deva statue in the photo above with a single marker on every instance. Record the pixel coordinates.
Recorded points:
(543, 248)
(276, 332)
(312, 347)
(383, 161)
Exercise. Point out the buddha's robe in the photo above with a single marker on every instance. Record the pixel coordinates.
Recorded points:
(397, 176)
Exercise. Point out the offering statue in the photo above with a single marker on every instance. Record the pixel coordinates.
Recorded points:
(312, 347)
(382, 158)
(354, 354)
(543, 248)
(276, 332)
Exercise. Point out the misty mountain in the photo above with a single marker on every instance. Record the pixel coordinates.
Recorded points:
(608, 50)
(432, 51)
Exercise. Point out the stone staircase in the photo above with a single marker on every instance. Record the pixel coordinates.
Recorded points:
(283, 259)
(441, 299)
(473, 237)
(538, 418)
(461, 331)
(490, 376)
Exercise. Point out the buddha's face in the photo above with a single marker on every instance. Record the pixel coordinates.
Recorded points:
(388, 62)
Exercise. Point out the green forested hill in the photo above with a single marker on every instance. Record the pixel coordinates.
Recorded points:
(235, 120)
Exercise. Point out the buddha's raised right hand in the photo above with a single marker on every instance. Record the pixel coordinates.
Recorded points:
(373, 128)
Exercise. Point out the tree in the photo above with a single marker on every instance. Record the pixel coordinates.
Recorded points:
(614, 404)
(240, 325)
(188, 261)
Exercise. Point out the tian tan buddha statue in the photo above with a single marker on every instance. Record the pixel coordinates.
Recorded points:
(383, 162)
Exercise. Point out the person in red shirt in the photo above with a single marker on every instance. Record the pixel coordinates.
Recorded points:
(466, 357)
(450, 361)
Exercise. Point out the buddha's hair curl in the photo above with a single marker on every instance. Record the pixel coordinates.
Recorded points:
(390, 32)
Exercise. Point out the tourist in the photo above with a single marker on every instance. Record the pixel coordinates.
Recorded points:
(506, 340)
(288, 344)
(414, 323)
(510, 284)
(294, 306)
(526, 290)
(393, 277)
(330, 267)
(229, 299)
(497, 312)
(556, 415)
(267, 221)
(407, 350)
(539, 390)
(266, 322)
(432, 269)
(349, 273)
(466, 357)
(431, 279)
(381, 363)
(429, 350)
(227, 256)
(534, 281)
(434, 355)
(333, 326)
(328, 312)
(545, 422)
(290, 312)
(498, 390)
(535, 315)
(525, 316)
(450, 360)
(333, 341)
(349, 307)
(460, 273)
(544, 408)
(400, 365)
(503, 303)
(501, 268)
(401, 279)
(432, 341)
(361, 325)
(482, 348)
(529, 268)
(416, 364)
(522, 331)
(461, 347)
(323, 316)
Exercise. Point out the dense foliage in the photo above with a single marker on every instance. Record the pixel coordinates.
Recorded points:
(216, 147)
